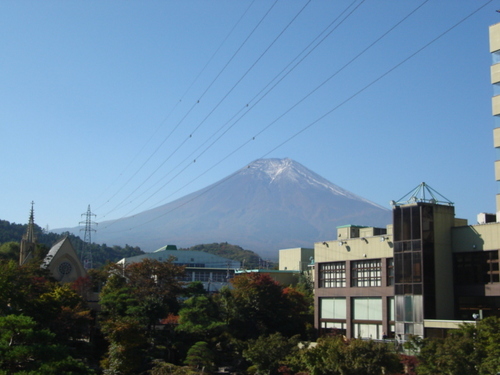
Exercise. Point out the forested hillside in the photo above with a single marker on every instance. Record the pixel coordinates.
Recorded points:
(11, 234)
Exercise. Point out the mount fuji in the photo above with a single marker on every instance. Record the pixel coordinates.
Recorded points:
(269, 205)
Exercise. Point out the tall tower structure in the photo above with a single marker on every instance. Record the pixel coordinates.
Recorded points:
(28, 242)
(86, 255)
(495, 81)
(423, 264)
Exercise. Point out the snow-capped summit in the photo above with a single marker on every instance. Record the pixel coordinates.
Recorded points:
(269, 205)
(292, 171)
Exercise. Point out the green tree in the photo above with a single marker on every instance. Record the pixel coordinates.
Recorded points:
(200, 318)
(488, 344)
(200, 356)
(9, 251)
(156, 284)
(194, 288)
(267, 352)
(471, 349)
(28, 350)
(163, 368)
(454, 355)
(334, 356)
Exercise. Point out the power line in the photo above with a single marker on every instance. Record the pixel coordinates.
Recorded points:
(189, 111)
(170, 113)
(225, 96)
(364, 88)
(246, 107)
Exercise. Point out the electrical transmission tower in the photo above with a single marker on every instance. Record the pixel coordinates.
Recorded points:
(87, 239)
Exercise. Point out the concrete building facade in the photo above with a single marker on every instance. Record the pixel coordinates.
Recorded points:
(421, 275)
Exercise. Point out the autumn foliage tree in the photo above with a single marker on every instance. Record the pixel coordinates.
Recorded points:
(261, 306)
(135, 298)
(37, 312)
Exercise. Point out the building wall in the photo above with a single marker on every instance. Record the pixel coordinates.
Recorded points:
(354, 248)
(365, 311)
(476, 237)
(495, 80)
(295, 259)
(353, 323)
(444, 218)
(494, 37)
(460, 263)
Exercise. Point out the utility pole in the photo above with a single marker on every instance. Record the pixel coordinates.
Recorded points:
(86, 255)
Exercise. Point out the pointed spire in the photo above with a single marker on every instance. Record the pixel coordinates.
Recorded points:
(30, 232)
(28, 241)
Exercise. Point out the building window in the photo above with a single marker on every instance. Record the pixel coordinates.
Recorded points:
(390, 271)
(367, 273)
(367, 308)
(367, 317)
(368, 331)
(333, 308)
(201, 276)
(480, 267)
(221, 276)
(332, 275)
(188, 276)
(391, 309)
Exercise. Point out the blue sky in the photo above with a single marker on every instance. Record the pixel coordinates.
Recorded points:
(109, 103)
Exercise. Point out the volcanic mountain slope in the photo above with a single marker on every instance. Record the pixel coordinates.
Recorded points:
(270, 205)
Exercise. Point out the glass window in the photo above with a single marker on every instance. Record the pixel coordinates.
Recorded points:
(220, 276)
(332, 275)
(398, 269)
(390, 308)
(480, 267)
(415, 223)
(333, 328)
(418, 309)
(333, 308)
(407, 276)
(201, 276)
(390, 271)
(368, 331)
(408, 309)
(367, 273)
(417, 267)
(188, 276)
(367, 308)
(400, 308)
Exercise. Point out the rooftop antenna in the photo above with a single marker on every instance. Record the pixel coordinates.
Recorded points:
(422, 193)
(87, 239)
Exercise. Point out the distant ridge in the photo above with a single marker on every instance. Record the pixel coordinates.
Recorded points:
(269, 205)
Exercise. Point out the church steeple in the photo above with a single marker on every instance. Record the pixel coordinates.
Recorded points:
(28, 242)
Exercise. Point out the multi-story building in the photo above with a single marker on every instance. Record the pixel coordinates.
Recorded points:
(421, 275)
(211, 270)
(425, 273)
